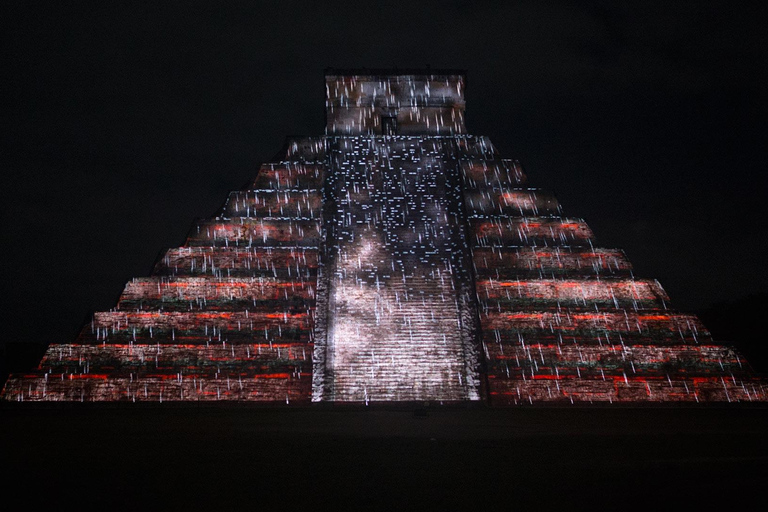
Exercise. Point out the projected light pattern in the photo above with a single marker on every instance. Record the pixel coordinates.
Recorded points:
(400, 315)
(393, 259)
(386, 104)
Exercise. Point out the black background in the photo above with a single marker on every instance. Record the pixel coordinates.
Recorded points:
(123, 121)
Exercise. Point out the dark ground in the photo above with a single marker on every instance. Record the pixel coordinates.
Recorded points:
(385, 458)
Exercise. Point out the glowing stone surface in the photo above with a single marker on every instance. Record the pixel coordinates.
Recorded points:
(396, 258)
(399, 256)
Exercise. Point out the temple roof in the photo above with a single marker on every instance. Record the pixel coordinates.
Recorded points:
(381, 72)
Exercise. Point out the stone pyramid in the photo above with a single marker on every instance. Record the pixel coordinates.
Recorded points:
(396, 258)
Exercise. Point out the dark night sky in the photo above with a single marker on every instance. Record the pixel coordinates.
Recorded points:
(123, 122)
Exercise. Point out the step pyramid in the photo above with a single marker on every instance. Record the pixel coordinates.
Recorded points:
(395, 258)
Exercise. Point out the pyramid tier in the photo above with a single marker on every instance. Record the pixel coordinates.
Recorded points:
(203, 361)
(283, 262)
(512, 201)
(491, 174)
(493, 231)
(567, 260)
(287, 176)
(273, 203)
(585, 294)
(289, 323)
(578, 359)
(664, 324)
(248, 232)
(135, 372)
(617, 389)
(200, 293)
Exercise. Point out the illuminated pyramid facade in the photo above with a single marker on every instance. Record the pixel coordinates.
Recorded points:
(396, 258)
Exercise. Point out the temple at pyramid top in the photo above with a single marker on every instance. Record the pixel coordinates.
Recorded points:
(392, 102)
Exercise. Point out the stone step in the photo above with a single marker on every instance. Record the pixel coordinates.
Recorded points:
(273, 203)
